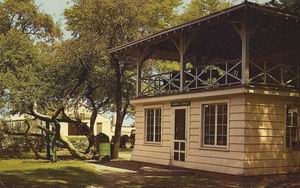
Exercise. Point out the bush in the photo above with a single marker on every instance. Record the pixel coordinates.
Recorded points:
(11, 144)
(80, 142)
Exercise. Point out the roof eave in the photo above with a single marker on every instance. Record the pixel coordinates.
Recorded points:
(198, 22)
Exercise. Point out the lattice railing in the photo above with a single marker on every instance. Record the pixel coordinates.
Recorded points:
(221, 74)
(161, 83)
(274, 74)
(210, 76)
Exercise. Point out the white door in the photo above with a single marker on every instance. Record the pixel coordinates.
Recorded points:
(179, 136)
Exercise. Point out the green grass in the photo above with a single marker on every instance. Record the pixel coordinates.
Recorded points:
(33, 173)
(30, 173)
(72, 173)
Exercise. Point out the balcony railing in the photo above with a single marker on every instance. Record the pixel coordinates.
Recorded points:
(271, 74)
(217, 75)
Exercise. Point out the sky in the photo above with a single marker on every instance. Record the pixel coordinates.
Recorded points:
(56, 9)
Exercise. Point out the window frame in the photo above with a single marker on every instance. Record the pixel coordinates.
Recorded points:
(155, 107)
(290, 148)
(202, 125)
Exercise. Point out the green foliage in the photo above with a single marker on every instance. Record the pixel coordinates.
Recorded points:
(22, 58)
(199, 8)
(12, 144)
(79, 142)
(19, 68)
(119, 21)
(292, 6)
(112, 23)
(23, 15)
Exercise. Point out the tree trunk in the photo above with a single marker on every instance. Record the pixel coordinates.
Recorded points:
(118, 103)
(27, 134)
(117, 137)
(75, 153)
(48, 142)
(69, 146)
(92, 139)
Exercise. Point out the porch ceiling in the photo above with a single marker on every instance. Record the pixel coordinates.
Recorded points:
(274, 35)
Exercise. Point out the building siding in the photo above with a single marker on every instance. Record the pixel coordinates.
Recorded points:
(256, 143)
(265, 136)
(197, 157)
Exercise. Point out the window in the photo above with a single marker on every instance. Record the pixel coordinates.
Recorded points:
(99, 128)
(73, 130)
(153, 125)
(291, 126)
(215, 124)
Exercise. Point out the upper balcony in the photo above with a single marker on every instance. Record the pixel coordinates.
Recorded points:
(222, 74)
(247, 44)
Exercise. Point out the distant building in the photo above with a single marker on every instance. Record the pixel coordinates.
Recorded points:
(16, 123)
(103, 124)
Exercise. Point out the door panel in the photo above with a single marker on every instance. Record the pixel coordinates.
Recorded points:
(179, 135)
(180, 124)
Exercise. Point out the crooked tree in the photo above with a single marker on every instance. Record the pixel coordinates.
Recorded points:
(114, 22)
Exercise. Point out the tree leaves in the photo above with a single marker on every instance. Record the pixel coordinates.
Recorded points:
(23, 15)
(199, 8)
(291, 6)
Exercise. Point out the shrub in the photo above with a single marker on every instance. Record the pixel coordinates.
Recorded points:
(11, 144)
(80, 142)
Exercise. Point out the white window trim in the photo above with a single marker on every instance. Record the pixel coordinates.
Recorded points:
(145, 124)
(290, 149)
(214, 147)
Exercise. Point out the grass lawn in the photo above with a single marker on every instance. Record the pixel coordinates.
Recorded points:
(29, 173)
(32, 173)
(72, 173)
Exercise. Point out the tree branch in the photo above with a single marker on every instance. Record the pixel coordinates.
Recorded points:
(27, 134)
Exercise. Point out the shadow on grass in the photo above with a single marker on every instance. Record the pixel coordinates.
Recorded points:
(62, 177)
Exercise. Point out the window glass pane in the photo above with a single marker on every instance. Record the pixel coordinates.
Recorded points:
(182, 146)
(150, 124)
(176, 146)
(176, 156)
(182, 156)
(295, 119)
(215, 117)
(209, 124)
(206, 139)
(153, 123)
(212, 140)
(157, 125)
(180, 124)
(291, 126)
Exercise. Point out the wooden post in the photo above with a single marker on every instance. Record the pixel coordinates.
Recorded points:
(139, 73)
(245, 50)
(182, 63)
(298, 77)
(142, 56)
(265, 73)
(182, 47)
